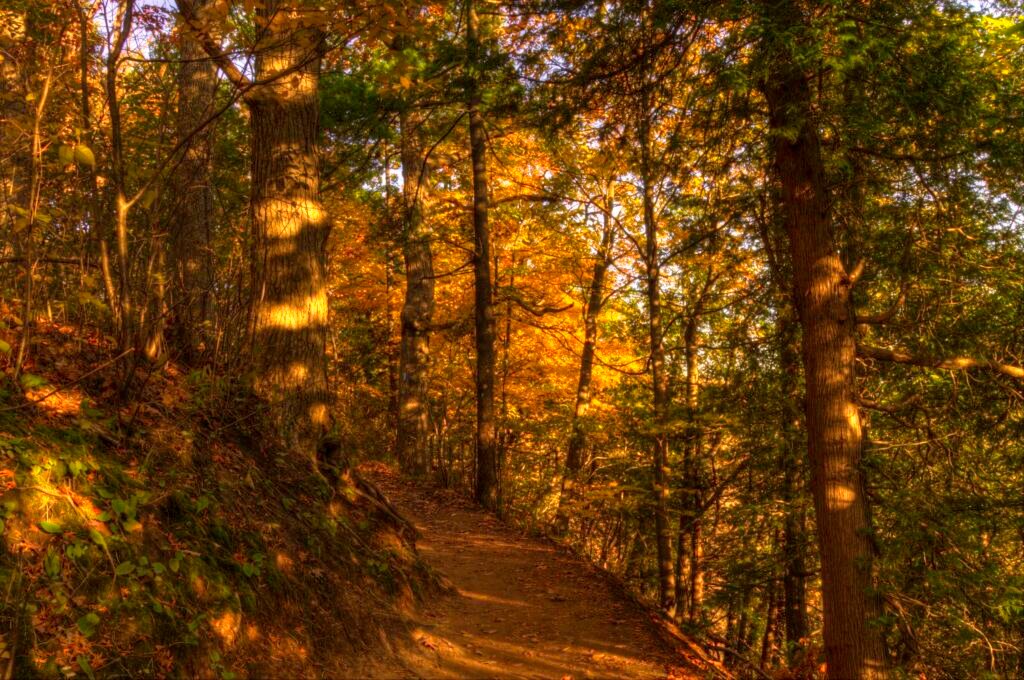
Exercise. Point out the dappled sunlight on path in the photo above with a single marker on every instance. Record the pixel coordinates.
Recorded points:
(522, 608)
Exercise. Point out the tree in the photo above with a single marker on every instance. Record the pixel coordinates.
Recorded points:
(418, 309)
(821, 291)
(289, 224)
(487, 483)
(578, 454)
(190, 263)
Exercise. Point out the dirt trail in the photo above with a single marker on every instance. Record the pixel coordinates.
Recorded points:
(523, 608)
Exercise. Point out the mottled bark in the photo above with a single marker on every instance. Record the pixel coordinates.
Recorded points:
(290, 227)
(190, 261)
(486, 442)
(418, 310)
(853, 645)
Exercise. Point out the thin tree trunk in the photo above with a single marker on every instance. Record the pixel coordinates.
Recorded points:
(190, 255)
(821, 285)
(418, 310)
(96, 214)
(791, 460)
(22, 182)
(486, 445)
(794, 531)
(659, 382)
(290, 228)
(690, 525)
(127, 331)
(768, 639)
(579, 441)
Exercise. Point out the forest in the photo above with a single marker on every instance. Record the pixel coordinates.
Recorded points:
(648, 338)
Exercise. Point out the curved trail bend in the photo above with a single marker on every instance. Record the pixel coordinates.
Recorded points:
(523, 608)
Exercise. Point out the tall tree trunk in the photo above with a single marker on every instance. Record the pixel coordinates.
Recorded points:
(290, 227)
(190, 259)
(659, 379)
(791, 459)
(127, 331)
(690, 522)
(853, 646)
(95, 212)
(418, 310)
(579, 441)
(486, 443)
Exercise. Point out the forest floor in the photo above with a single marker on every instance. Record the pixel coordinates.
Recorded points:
(521, 607)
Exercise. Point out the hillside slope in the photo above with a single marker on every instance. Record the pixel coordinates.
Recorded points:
(169, 536)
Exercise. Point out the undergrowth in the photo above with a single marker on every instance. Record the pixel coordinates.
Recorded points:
(170, 536)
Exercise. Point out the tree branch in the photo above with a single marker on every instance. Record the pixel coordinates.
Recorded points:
(949, 363)
(886, 316)
(187, 11)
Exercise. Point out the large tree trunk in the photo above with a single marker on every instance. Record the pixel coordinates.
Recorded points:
(418, 310)
(821, 285)
(579, 441)
(191, 263)
(659, 378)
(486, 443)
(290, 229)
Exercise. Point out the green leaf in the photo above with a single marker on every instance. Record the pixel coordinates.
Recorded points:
(50, 527)
(5, 347)
(87, 624)
(31, 382)
(124, 568)
(66, 154)
(83, 663)
(84, 156)
(51, 564)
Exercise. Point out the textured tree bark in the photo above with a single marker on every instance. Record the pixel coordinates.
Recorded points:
(659, 378)
(290, 227)
(821, 285)
(418, 310)
(579, 442)
(486, 442)
(190, 261)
